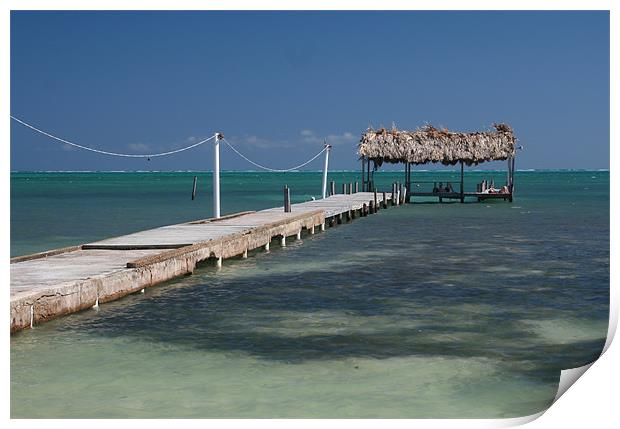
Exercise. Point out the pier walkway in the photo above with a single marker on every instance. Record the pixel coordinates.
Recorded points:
(63, 281)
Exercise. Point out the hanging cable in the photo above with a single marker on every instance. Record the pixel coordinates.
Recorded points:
(274, 169)
(127, 155)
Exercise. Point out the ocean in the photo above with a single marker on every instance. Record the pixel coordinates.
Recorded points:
(426, 310)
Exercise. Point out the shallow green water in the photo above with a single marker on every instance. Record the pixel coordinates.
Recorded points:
(427, 310)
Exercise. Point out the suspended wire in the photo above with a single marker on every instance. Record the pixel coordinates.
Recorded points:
(153, 155)
(127, 155)
(276, 170)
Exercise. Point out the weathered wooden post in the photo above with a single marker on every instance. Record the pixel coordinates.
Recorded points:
(375, 200)
(371, 206)
(333, 188)
(350, 188)
(384, 202)
(287, 199)
(194, 188)
(393, 200)
(364, 211)
(344, 188)
(404, 195)
(357, 189)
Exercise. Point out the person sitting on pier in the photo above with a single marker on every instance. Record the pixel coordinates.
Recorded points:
(439, 188)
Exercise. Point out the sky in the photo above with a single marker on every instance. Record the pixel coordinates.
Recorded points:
(278, 83)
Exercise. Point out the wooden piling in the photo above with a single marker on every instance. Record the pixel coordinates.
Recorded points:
(384, 201)
(332, 187)
(194, 188)
(375, 200)
(357, 187)
(350, 188)
(344, 188)
(287, 199)
(393, 199)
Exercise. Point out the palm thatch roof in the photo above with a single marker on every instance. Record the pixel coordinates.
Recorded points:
(430, 144)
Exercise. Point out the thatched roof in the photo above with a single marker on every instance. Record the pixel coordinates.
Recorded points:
(432, 145)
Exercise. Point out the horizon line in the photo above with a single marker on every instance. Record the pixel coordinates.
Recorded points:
(524, 170)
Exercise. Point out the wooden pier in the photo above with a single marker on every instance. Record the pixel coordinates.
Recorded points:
(58, 282)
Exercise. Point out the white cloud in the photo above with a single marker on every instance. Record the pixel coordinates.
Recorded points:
(308, 136)
(262, 143)
(138, 147)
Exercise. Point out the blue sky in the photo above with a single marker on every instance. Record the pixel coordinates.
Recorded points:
(278, 83)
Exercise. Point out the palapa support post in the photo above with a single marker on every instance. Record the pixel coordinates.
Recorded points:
(406, 181)
(375, 200)
(462, 184)
(344, 189)
(287, 199)
(384, 201)
(409, 187)
(404, 194)
(350, 188)
(324, 188)
(512, 179)
(368, 185)
(363, 176)
(357, 189)
(509, 161)
(216, 175)
(333, 188)
(194, 188)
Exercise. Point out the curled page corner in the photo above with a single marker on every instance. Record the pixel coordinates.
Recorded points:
(518, 421)
(568, 377)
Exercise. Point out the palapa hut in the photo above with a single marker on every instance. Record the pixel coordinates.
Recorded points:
(431, 145)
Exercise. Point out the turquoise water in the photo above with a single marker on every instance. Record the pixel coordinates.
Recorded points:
(427, 310)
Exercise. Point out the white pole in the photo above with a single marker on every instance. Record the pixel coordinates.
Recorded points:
(325, 169)
(216, 176)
